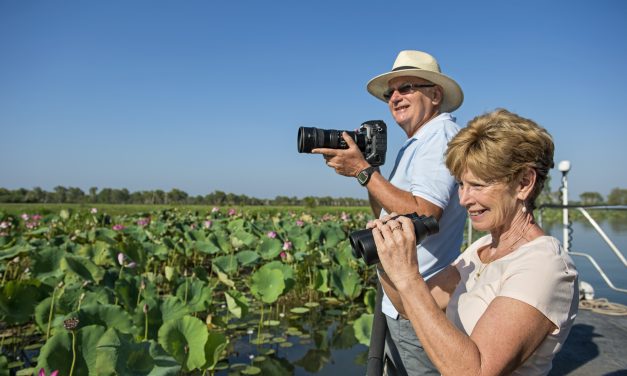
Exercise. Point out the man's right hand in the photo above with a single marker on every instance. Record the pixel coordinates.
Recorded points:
(347, 162)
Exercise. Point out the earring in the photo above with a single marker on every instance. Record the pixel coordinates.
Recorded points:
(524, 209)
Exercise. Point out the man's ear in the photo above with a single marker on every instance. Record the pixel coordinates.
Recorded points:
(526, 184)
(438, 94)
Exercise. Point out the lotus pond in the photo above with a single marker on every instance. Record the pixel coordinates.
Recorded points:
(168, 292)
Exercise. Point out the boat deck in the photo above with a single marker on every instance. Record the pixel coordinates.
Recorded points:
(597, 345)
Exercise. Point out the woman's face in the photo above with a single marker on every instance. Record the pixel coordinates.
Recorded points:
(491, 206)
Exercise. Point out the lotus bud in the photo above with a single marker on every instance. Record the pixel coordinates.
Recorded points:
(71, 323)
(121, 258)
(146, 308)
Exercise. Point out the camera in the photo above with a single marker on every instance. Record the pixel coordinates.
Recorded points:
(363, 244)
(371, 138)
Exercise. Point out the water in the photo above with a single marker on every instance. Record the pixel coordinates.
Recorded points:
(585, 239)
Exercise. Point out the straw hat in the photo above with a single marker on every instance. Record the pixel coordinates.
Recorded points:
(419, 64)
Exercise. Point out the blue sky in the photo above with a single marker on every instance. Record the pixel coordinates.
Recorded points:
(208, 95)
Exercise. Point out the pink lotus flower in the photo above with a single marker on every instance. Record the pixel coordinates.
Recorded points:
(271, 234)
(36, 217)
(232, 212)
(24, 216)
(207, 224)
(287, 246)
(345, 217)
(118, 227)
(4, 224)
(215, 209)
(143, 222)
(42, 372)
(283, 255)
(94, 210)
(300, 223)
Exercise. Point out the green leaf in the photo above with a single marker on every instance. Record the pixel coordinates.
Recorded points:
(56, 354)
(299, 310)
(18, 300)
(185, 339)
(119, 354)
(227, 264)
(206, 246)
(267, 284)
(82, 267)
(235, 224)
(242, 238)
(332, 235)
(216, 343)
(363, 328)
(269, 248)
(237, 303)
(247, 258)
(107, 315)
(15, 251)
(4, 366)
(47, 262)
(199, 294)
(173, 308)
(299, 242)
(346, 282)
(321, 282)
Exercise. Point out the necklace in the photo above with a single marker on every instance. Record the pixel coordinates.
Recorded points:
(510, 248)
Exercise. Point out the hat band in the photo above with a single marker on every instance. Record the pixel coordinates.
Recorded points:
(404, 68)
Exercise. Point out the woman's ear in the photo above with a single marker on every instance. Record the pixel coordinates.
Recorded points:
(526, 184)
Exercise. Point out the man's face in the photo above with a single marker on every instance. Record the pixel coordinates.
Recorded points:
(413, 109)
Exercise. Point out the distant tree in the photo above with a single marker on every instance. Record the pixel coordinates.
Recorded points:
(93, 194)
(591, 198)
(60, 193)
(618, 196)
(310, 202)
(176, 196)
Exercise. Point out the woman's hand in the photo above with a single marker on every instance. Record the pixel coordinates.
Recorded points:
(396, 246)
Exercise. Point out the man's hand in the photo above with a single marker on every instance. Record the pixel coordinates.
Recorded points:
(347, 162)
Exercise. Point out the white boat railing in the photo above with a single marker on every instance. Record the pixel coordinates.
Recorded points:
(598, 229)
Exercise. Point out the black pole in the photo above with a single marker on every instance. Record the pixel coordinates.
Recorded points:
(377, 337)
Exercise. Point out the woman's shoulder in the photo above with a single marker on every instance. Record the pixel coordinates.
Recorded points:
(544, 252)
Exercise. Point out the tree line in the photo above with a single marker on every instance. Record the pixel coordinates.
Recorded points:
(74, 195)
(60, 194)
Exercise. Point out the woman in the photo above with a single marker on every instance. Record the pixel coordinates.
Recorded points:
(511, 298)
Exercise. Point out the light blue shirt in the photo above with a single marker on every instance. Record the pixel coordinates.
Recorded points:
(420, 169)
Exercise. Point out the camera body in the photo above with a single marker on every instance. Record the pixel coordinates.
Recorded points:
(363, 244)
(371, 138)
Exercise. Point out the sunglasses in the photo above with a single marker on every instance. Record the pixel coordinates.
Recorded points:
(404, 89)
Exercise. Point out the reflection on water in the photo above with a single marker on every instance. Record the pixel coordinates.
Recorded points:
(585, 239)
(321, 342)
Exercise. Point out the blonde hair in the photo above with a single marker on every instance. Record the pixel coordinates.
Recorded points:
(499, 146)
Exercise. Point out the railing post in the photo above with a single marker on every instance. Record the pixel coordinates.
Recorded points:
(564, 167)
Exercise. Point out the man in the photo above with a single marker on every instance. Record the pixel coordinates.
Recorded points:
(420, 99)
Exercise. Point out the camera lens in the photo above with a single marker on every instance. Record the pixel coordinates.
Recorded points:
(306, 139)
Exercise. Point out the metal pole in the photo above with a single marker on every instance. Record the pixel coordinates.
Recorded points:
(564, 167)
(565, 212)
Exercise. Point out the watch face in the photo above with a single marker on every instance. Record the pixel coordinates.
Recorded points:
(362, 177)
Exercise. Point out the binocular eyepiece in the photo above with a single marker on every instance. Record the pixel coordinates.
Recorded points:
(363, 244)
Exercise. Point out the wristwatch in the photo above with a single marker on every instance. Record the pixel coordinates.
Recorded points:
(364, 175)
